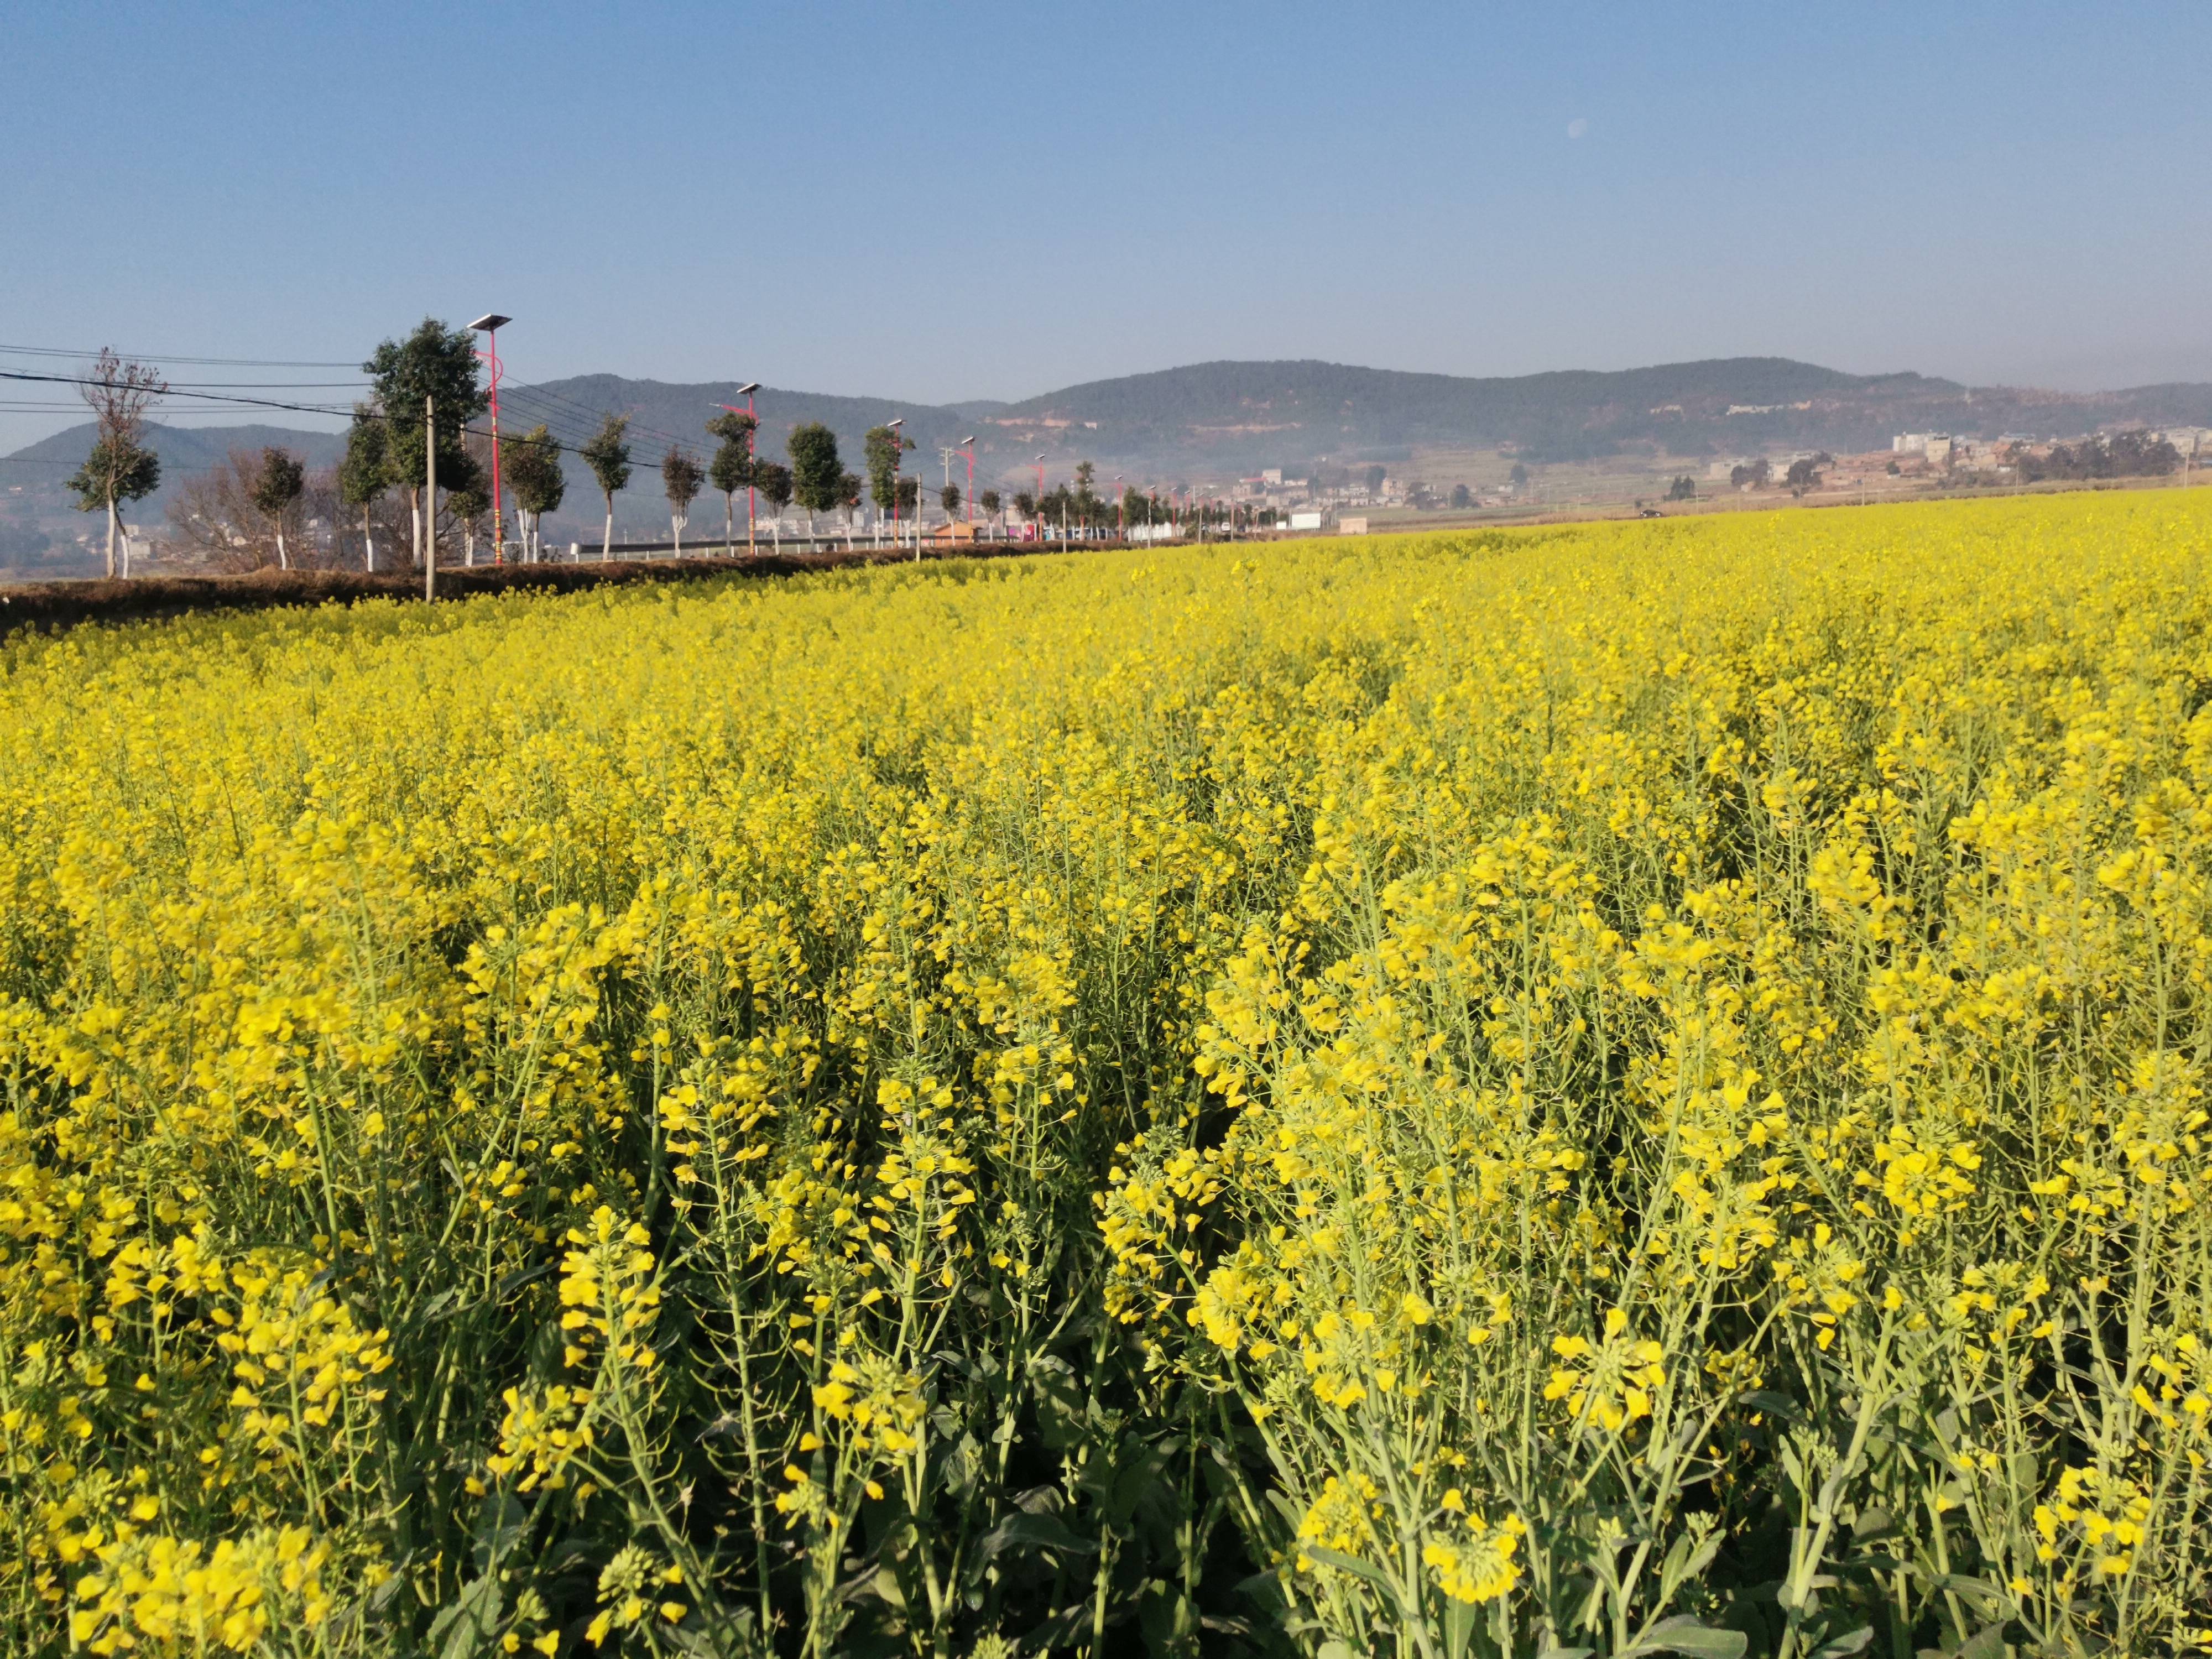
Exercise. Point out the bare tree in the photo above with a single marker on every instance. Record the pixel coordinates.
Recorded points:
(216, 521)
(120, 467)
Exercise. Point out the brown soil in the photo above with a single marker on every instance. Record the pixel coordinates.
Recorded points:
(54, 605)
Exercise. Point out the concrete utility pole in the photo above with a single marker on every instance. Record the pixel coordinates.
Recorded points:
(429, 499)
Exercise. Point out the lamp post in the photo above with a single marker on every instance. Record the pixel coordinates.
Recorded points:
(968, 443)
(746, 391)
(1039, 498)
(489, 326)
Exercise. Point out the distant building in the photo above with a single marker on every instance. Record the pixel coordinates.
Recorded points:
(1938, 449)
(1305, 520)
(1910, 443)
(1345, 527)
(1272, 476)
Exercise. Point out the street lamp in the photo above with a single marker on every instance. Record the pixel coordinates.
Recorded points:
(968, 443)
(746, 391)
(489, 326)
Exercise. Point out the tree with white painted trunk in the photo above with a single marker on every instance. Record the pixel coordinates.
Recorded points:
(276, 491)
(120, 467)
(607, 456)
(680, 478)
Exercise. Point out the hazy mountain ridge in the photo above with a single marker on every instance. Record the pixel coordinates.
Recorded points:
(1212, 422)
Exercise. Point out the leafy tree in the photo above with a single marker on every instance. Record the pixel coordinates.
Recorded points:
(1462, 497)
(1752, 475)
(910, 497)
(1802, 475)
(949, 499)
(120, 467)
(283, 476)
(1376, 474)
(731, 468)
(880, 452)
(773, 480)
(607, 456)
(364, 473)
(989, 502)
(851, 491)
(1135, 507)
(533, 472)
(468, 504)
(1025, 504)
(1684, 488)
(1518, 477)
(680, 478)
(817, 472)
(438, 365)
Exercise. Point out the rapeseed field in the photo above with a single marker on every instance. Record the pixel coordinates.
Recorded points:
(1624, 1090)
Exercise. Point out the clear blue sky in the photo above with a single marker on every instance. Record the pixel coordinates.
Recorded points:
(981, 200)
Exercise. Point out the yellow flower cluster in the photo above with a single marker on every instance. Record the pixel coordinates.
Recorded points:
(1531, 1088)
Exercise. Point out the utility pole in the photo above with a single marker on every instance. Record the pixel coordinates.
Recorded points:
(429, 499)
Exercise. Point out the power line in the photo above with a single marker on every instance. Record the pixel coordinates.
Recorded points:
(197, 362)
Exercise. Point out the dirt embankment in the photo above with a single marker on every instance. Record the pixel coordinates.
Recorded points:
(54, 605)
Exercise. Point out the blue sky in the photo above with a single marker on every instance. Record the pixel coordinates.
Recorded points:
(952, 201)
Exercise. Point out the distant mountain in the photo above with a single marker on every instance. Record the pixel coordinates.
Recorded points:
(1220, 419)
(40, 468)
(1212, 422)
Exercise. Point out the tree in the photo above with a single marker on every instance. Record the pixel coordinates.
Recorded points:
(434, 365)
(1749, 475)
(773, 480)
(680, 478)
(1684, 488)
(1462, 497)
(468, 505)
(989, 502)
(910, 497)
(1135, 508)
(1518, 478)
(1025, 505)
(851, 491)
(1802, 475)
(365, 474)
(607, 456)
(818, 473)
(949, 499)
(1376, 474)
(880, 454)
(283, 476)
(533, 472)
(120, 467)
(214, 516)
(731, 468)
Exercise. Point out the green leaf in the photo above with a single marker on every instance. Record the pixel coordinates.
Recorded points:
(1987, 1643)
(1344, 1563)
(1841, 1647)
(465, 1629)
(1038, 1532)
(1683, 1634)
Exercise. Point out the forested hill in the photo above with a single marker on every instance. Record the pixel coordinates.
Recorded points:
(1219, 419)
(1211, 419)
